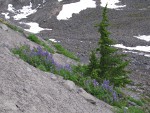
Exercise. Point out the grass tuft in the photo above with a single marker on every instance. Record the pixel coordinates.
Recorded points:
(35, 39)
(65, 52)
(13, 27)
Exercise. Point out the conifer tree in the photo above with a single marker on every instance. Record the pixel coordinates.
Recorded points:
(111, 64)
(92, 70)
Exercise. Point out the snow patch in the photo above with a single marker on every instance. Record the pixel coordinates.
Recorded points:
(53, 40)
(139, 53)
(143, 37)
(21, 13)
(69, 9)
(137, 48)
(6, 15)
(34, 27)
(11, 8)
(111, 4)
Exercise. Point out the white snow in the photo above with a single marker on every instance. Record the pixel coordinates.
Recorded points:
(53, 40)
(138, 48)
(139, 53)
(21, 13)
(11, 8)
(111, 4)
(34, 27)
(69, 9)
(143, 37)
(44, 1)
(6, 15)
(60, 0)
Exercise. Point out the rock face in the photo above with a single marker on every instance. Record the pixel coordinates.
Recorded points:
(24, 88)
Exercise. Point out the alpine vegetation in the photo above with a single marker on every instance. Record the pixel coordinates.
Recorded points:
(43, 60)
(109, 65)
(102, 77)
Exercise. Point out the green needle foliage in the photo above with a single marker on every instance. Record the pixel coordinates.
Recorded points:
(111, 65)
(93, 69)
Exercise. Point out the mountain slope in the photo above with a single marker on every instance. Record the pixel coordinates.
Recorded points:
(24, 88)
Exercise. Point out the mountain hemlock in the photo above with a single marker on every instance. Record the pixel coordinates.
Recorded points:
(110, 64)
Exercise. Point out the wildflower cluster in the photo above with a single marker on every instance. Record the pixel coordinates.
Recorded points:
(40, 58)
(104, 91)
(106, 86)
(43, 60)
(60, 67)
(36, 57)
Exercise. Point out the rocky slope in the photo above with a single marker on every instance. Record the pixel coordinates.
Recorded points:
(79, 35)
(24, 88)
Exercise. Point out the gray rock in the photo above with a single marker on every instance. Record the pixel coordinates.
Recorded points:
(53, 77)
(28, 69)
(4, 27)
(87, 96)
(69, 85)
(10, 105)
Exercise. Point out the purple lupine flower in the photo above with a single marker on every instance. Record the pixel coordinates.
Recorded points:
(58, 66)
(95, 83)
(46, 54)
(25, 52)
(105, 84)
(110, 89)
(49, 57)
(52, 61)
(67, 67)
(43, 53)
(39, 50)
(33, 52)
(115, 97)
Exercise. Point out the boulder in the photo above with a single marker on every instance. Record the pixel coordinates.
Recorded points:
(53, 77)
(86, 95)
(4, 27)
(69, 85)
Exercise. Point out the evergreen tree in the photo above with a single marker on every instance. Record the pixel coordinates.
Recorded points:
(92, 69)
(111, 65)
